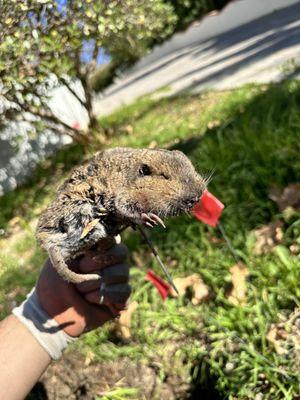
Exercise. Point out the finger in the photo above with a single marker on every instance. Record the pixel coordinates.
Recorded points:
(115, 309)
(121, 306)
(104, 244)
(112, 294)
(116, 255)
(118, 273)
(115, 274)
(98, 316)
(101, 301)
(88, 286)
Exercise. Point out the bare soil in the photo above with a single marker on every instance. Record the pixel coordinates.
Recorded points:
(71, 379)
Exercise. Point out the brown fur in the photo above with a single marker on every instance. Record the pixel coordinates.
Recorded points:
(115, 187)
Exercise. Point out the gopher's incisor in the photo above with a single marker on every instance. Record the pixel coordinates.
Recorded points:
(116, 188)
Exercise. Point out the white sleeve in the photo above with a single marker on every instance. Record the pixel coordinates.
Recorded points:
(45, 329)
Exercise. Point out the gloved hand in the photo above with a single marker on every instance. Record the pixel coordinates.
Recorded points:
(86, 306)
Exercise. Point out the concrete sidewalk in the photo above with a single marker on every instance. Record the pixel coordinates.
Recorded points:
(259, 50)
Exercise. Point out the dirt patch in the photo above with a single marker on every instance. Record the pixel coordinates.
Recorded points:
(70, 379)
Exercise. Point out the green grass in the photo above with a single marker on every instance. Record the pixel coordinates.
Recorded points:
(120, 394)
(250, 139)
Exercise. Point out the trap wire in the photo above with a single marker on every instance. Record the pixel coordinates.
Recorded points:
(156, 255)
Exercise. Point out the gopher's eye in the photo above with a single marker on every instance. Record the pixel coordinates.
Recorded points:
(144, 170)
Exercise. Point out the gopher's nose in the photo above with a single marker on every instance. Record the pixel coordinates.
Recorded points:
(189, 202)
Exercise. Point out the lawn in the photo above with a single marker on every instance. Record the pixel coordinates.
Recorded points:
(249, 140)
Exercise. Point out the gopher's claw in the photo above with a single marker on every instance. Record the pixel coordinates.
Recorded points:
(152, 219)
(157, 219)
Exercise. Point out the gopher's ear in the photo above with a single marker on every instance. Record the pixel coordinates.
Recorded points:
(97, 156)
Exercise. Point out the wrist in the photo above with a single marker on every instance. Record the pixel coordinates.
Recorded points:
(23, 359)
(46, 330)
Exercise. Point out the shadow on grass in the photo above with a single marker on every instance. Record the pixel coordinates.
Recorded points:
(116, 124)
(257, 147)
(38, 392)
(203, 387)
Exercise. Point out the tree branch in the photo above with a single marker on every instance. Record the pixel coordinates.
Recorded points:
(87, 92)
(45, 115)
(66, 83)
(49, 116)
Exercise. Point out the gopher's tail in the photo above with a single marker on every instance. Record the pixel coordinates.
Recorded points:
(63, 270)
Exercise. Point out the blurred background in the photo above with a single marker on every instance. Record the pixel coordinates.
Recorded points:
(217, 79)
